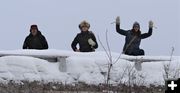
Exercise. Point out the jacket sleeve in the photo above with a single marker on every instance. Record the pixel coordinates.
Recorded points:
(146, 35)
(44, 43)
(74, 43)
(94, 39)
(120, 31)
(25, 45)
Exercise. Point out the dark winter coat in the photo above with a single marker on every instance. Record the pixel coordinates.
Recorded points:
(35, 42)
(82, 40)
(133, 40)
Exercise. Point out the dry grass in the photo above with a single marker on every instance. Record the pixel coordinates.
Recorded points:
(55, 87)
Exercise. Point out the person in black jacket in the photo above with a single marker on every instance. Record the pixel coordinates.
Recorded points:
(86, 39)
(133, 38)
(35, 40)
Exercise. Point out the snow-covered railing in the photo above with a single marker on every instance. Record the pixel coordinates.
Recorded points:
(50, 58)
(44, 57)
(145, 58)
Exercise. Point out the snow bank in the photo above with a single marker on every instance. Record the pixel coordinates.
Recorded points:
(90, 68)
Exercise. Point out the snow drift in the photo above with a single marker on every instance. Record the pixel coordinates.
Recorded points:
(90, 68)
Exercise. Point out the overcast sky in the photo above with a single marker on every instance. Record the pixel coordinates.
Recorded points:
(58, 20)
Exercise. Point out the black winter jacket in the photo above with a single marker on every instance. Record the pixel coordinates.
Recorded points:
(82, 40)
(35, 42)
(133, 39)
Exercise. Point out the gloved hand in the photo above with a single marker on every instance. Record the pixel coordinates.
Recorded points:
(118, 20)
(91, 42)
(151, 24)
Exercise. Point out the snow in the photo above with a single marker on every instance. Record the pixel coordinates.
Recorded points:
(90, 68)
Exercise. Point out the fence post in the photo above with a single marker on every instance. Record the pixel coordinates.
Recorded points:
(62, 64)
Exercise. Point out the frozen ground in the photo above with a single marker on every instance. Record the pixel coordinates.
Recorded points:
(90, 68)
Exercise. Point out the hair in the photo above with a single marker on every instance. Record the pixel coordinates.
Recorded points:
(138, 33)
(84, 23)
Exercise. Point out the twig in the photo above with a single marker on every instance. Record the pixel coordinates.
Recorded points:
(103, 47)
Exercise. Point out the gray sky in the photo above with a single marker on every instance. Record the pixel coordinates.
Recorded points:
(58, 20)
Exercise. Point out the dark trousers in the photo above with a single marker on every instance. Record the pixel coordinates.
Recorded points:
(138, 52)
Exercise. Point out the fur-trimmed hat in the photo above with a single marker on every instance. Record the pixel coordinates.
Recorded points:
(136, 24)
(84, 23)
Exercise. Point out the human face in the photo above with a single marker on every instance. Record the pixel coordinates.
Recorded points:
(136, 28)
(34, 31)
(84, 28)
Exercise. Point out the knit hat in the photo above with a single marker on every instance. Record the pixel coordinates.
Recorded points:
(84, 24)
(136, 24)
